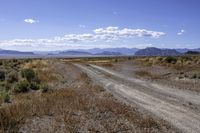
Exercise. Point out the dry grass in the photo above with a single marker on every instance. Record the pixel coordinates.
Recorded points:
(147, 74)
(44, 70)
(173, 62)
(74, 108)
(80, 108)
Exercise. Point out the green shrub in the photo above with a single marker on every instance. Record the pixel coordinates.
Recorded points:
(2, 75)
(22, 87)
(12, 77)
(1, 62)
(6, 97)
(34, 86)
(29, 74)
(171, 59)
(44, 88)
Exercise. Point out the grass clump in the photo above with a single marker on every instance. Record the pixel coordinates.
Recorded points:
(2, 75)
(28, 74)
(12, 77)
(22, 87)
(5, 97)
(34, 86)
(44, 88)
(171, 59)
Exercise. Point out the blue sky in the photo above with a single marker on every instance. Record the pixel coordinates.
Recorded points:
(28, 25)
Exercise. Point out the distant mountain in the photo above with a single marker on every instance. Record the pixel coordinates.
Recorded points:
(109, 53)
(13, 52)
(184, 50)
(152, 51)
(122, 50)
(82, 53)
(192, 53)
(74, 53)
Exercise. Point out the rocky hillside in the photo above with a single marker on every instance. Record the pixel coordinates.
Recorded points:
(151, 51)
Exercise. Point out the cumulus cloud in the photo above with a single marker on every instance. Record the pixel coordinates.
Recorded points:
(108, 34)
(116, 32)
(30, 21)
(181, 32)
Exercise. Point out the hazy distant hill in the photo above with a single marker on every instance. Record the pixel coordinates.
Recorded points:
(109, 53)
(152, 51)
(122, 50)
(74, 53)
(192, 53)
(184, 50)
(12, 52)
(82, 53)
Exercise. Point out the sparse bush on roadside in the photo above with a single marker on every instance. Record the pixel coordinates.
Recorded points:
(186, 76)
(83, 75)
(194, 76)
(22, 87)
(147, 74)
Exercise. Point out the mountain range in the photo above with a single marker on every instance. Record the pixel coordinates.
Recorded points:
(149, 51)
(152, 51)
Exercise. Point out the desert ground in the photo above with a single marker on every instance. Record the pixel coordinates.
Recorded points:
(100, 94)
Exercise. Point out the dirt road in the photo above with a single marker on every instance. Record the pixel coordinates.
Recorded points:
(178, 107)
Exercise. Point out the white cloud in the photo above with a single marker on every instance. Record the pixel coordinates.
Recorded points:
(30, 21)
(116, 32)
(108, 34)
(181, 32)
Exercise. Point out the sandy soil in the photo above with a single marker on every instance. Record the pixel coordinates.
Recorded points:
(178, 107)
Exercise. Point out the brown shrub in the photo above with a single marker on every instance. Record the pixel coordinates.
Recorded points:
(147, 74)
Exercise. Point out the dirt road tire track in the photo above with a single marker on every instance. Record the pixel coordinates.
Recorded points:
(182, 117)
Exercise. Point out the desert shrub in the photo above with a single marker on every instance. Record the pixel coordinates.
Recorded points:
(194, 76)
(147, 74)
(171, 59)
(15, 60)
(159, 58)
(5, 97)
(44, 88)
(186, 58)
(29, 74)
(83, 75)
(2, 75)
(12, 77)
(22, 87)
(7, 86)
(1, 62)
(34, 86)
